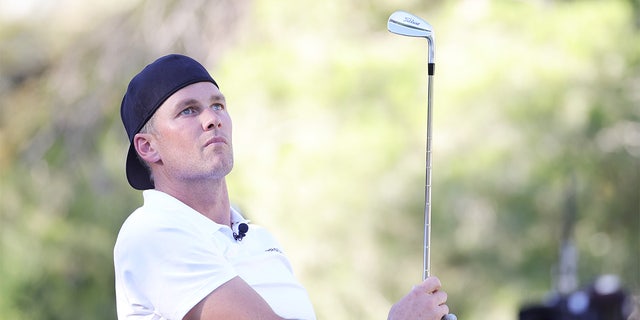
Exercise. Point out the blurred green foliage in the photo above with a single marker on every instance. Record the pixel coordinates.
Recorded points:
(329, 122)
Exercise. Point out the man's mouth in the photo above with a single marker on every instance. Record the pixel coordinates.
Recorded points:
(216, 140)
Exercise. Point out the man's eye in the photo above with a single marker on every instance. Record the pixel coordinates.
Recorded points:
(189, 110)
(217, 106)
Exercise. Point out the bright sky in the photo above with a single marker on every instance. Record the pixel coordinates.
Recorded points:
(17, 9)
(77, 10)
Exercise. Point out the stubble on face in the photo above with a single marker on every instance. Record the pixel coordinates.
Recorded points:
(192, 133)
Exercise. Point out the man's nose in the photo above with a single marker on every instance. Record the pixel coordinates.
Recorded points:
(211, 120)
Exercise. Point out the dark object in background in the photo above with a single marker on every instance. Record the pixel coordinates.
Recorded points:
(605, 299)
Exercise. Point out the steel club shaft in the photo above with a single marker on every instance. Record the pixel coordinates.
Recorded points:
(406, 24)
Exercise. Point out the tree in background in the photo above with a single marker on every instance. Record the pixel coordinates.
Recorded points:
(329, 127)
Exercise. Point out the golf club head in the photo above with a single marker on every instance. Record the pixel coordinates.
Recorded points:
(407, 24)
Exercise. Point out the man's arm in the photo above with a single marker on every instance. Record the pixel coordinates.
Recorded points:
(235, 299)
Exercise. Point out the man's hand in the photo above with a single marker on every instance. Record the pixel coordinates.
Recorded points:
(425, 301)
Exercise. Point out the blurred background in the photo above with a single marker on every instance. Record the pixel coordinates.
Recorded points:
(537, 118)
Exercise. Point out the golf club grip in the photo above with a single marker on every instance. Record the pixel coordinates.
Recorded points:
(450, 316)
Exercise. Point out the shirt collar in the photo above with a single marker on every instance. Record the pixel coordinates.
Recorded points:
(165, 201)
(237, 217)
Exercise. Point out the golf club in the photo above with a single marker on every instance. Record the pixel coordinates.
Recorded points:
(406, 24)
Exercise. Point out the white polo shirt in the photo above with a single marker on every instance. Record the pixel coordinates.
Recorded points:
(168, 257)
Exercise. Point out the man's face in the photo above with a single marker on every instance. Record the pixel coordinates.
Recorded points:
(192, 135)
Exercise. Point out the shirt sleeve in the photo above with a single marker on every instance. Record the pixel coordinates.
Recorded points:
(169, 266)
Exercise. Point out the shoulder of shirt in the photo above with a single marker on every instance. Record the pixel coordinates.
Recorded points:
(166, 214)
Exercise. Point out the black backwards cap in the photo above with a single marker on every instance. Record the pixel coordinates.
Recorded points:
(145, 93)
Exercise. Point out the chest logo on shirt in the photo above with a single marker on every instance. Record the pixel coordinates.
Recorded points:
(274, 250)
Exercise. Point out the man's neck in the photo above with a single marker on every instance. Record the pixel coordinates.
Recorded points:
(210, 200)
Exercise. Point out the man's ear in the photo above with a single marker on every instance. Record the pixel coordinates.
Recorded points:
(143, 142)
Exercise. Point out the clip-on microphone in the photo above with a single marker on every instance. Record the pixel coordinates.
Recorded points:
(239, 230)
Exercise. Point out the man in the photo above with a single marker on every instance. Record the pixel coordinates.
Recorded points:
(186, 254)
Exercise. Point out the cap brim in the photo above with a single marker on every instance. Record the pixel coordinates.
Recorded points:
(137, 173)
